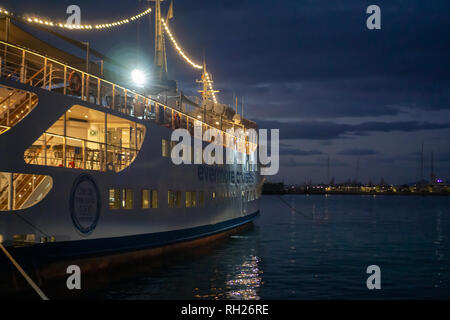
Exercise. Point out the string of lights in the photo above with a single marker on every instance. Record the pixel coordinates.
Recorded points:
(180, 51)
(213, 92)
(5, 12)
(48, 23)
(188, 60)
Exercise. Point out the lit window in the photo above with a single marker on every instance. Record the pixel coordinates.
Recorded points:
(213, 195)
(114, 198)
(193, 199)
(171, 198)
(127, 199)
(188, 199)
(178, 199)
(201, 198)
(25, 191)
(88, 139)
(165, 148)
(145, 195)
(154, 199)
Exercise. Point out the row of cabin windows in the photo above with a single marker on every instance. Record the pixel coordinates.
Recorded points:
(190, 199)
(166, 147)
(249, 195)
(123, 198)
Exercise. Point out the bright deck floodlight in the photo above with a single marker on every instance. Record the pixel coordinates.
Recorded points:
(138, 77)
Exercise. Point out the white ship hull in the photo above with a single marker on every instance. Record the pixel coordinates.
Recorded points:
(54, 224)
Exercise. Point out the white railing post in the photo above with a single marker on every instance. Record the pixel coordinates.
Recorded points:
(82, 86)
(87, 88)
(50, 78)
(7, 112)
(10, 192)
(125, 101)
(113, 96)
(22, 68)
(45, 148)
(99, 102)
(44, 83)
(65, 79)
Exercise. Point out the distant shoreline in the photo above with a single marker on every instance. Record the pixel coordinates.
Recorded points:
(362, 193)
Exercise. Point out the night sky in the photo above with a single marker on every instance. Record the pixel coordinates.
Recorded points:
(310, 68)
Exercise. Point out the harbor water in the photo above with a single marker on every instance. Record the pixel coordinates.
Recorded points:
(304, 247)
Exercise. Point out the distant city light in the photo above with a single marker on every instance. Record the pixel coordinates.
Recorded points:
(439, 180)
(138, 77)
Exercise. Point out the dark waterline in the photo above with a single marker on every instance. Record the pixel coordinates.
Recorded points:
(286, 255)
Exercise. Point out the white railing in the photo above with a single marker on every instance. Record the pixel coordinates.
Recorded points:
(32, 68)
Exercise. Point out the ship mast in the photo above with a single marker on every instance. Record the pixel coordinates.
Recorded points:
(207, 92)
(160, 60)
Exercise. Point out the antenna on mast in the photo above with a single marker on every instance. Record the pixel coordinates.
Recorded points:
(160, 60)
(206, 81)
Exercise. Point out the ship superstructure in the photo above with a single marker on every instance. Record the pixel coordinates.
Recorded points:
(85, 169)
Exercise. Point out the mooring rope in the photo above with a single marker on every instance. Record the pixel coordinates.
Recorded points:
(30, 224)
(23, 273)
(293, 209)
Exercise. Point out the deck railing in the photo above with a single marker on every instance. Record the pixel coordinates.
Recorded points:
(32, 68)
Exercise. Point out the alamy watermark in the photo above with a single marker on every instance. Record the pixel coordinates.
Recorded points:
(241, 147)
(374, 280)
(74, 20)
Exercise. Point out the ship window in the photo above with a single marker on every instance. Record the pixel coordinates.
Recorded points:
(114, 198)
(171, 198)
(194, 199)
(188, 199)
(84, 138)
(145, 196)
(127, 198)
(213, 195)
(154, 199)
(22, 240)
(178, 199)
(201, 198)
(16, 105)
(165, 148)
(21, 190)
(191, 199)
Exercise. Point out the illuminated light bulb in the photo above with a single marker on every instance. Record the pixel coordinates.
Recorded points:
(138, 77)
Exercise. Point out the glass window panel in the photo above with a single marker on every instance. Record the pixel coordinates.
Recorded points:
(188, 199)
(154, 198)
(145, 195)
(165, 148)
(127, 198)
(178, 199)
(201, 198)
(114, 198)
(170, 198)
(194, 199)
(84, 123)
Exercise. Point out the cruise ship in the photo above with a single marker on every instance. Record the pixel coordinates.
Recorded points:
(86, 175)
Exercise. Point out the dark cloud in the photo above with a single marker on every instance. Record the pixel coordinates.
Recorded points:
(325, 130)
(299, 152)
(320, 163)
(310, 60)
(358, 152)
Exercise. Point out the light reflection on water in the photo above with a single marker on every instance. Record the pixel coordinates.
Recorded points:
(288, 256)
(246, 281)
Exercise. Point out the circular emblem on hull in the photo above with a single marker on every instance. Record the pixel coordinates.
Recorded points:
(85, 204)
